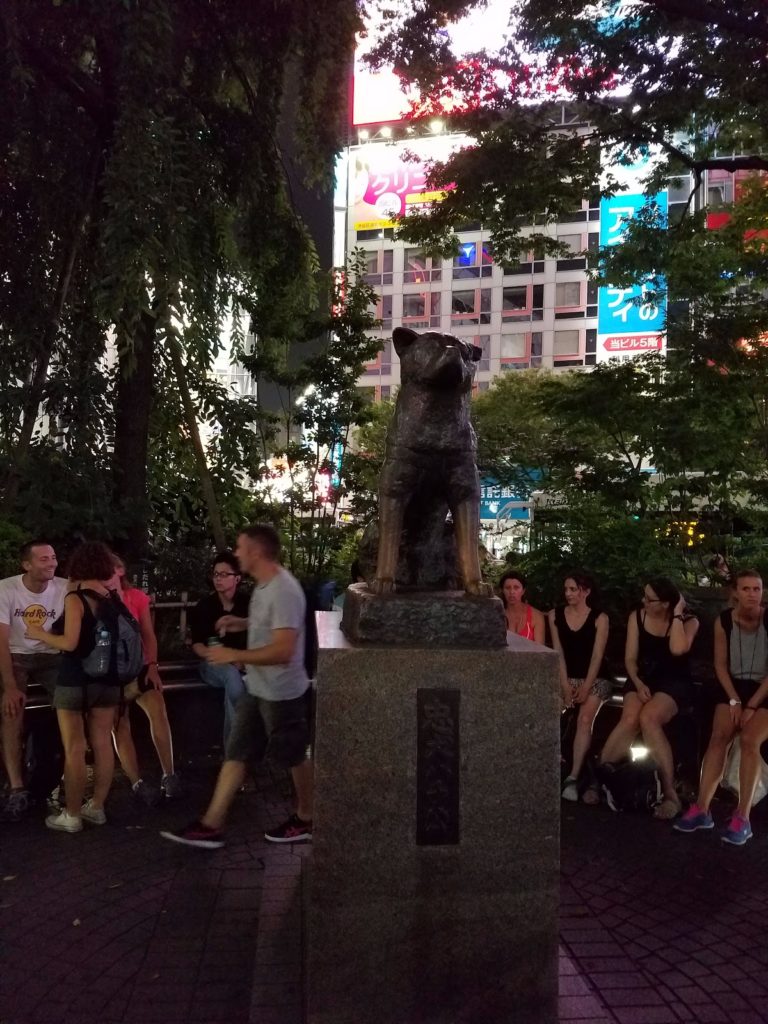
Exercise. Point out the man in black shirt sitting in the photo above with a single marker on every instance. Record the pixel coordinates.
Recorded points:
(206, 630)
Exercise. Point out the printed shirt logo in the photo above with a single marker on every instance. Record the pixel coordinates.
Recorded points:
(34, 614)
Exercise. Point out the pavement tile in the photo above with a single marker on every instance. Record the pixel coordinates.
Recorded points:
(587, 1008)
(615, 997)
(645, 1015)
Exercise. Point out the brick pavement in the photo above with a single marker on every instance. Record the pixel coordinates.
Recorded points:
(115, 925)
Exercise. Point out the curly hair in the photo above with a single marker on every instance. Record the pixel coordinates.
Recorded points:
(92, 561)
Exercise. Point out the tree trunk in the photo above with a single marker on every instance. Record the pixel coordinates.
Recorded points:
(206, 481)
(135, 391)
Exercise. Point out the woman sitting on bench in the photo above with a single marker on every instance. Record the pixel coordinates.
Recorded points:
(659, 638)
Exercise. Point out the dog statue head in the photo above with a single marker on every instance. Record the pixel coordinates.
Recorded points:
(435, 360)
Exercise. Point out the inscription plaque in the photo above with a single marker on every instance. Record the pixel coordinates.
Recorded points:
(437, 767)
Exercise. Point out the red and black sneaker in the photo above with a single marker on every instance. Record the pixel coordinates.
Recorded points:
(197, 834)
(294, 830)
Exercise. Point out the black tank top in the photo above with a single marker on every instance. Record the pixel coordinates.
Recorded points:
(577, 644)
(655, 662)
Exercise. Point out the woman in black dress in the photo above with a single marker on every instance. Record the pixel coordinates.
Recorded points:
(659, 638)
(579, 635)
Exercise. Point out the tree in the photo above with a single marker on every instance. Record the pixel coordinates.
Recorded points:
(151, 195)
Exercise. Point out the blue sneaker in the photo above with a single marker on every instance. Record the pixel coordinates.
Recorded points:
(738, 831)
(694, 819)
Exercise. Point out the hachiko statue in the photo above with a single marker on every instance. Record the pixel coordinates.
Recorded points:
(430, 453)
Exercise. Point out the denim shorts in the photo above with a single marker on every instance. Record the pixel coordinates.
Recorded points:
(273, 729)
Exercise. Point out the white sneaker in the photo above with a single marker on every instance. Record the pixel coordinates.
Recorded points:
(64, 822)
(570, 791)
(93, 815)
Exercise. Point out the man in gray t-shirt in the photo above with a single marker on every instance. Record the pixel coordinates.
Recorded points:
(272, 717)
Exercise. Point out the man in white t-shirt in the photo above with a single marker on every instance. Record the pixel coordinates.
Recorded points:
(34, 597)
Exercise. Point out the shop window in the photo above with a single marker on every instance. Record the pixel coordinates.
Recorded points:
(421, 309)
(379, 266)
(471, 306)
(473, 260)
(420, 269)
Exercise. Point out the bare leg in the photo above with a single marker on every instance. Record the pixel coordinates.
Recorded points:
(583, 738)
(303, 779)
(12, 754)
(391, 512)
(753, 735)
(659, 710)
(713, 765)
(73, 739)
(617, 745)
(152, 704)
(125, 747)
(231, 777)
(100, 722)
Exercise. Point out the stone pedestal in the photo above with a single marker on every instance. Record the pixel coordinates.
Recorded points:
(433, 895)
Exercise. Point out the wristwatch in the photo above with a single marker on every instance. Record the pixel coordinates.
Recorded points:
(734, 703)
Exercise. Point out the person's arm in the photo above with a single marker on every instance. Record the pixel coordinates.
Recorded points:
(13, 699)
(539, 627)
(722, 671)
(73, 617)
(279, 651)
(682, 631)
(565, 688)
(598, 652)
(631, 652)
(231, 624)
(149, 643)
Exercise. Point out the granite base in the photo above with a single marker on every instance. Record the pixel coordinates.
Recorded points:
(433, 895)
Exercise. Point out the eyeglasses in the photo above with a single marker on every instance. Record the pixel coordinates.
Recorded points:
(223, 575)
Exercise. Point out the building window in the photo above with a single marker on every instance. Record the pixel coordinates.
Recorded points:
(566, 343)
(536, 347)
(591, 298)
(576, 244)
(528, 265)
(590, 349)
(514, 347)
(421, 309)
(379, 266)
(473, 260)
(420, 269)
(383, 311)
(522, 302)
(375, 235)
(483, 342)
(568, 293)
(471, 306)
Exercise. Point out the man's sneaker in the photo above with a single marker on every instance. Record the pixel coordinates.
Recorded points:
(570, 790)
(694, 819)
(64, 822)
(171, 786)
(294, 830)
(737, 832)
(197, 834)
(93, 815)
(146, 792)
(16, 805)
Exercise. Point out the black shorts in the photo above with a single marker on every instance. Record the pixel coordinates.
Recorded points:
(678, 689)
(745, 690)
(274, 729)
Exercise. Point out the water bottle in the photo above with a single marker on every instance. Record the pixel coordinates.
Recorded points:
(102, 652)
(214, 641)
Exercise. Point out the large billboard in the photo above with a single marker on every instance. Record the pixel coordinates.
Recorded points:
(384, 183)
(626, 324)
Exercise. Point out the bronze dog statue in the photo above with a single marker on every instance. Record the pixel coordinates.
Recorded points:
(430, 453)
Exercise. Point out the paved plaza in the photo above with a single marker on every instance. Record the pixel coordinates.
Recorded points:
(116, 925)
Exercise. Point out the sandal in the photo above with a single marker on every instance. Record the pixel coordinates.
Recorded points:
(668, 809)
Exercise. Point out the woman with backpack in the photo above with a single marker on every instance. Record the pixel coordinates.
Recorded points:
(579, 635)
(660, 634)
(82, 696)
(147, 692)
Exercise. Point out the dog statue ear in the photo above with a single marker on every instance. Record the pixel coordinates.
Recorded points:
(477, 353)
(403, 338)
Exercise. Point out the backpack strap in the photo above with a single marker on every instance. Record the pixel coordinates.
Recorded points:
(726, 621)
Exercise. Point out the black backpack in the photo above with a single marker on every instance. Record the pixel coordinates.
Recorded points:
(630, 785)
(126, 654)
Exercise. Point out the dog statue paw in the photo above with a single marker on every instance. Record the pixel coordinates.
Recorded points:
(479, 589)
(383, 585)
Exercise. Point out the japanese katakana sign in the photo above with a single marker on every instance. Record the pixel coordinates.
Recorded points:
(626, 326)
